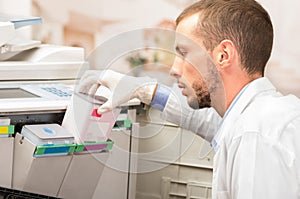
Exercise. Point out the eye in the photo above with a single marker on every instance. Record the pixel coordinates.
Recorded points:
(181, 51)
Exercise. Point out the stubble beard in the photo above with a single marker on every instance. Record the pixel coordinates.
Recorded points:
(202, 94)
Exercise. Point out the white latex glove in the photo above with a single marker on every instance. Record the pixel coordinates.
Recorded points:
(123, 87)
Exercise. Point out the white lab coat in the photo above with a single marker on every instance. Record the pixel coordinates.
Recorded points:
(258, 145)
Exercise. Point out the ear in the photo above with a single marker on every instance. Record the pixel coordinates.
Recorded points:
(224, 54)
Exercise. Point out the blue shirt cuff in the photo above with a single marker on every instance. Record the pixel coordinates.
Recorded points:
(161, 97)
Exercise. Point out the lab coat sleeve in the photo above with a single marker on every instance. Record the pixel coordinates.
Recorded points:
(204, 122)
(261, 167)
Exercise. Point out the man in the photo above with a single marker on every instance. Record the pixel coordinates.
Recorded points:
(257, 154)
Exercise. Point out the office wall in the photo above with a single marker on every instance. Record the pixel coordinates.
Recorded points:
(283, 68)
(19, 8)
(103, 19)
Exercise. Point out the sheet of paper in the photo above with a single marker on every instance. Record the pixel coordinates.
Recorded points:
(81, 119)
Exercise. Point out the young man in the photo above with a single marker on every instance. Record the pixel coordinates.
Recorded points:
(253, 129)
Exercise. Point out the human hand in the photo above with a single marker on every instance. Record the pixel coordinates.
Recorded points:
(123, 87)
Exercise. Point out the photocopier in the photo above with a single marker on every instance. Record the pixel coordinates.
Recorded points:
(36, 80)
(37, 85)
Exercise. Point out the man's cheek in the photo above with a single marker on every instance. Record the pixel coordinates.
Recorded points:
(202, 94)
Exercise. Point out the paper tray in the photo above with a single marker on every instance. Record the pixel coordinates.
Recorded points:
(83, 175)
(37, 175)
(94, 147)
(64, 149)
(6, 161)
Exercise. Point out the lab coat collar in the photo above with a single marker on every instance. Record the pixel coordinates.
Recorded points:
(239, 104)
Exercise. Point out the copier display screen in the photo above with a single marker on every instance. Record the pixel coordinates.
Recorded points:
(8, 93)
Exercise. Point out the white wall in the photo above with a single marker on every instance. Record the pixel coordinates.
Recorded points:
(18, 8)
(135, 14)
(284, 67)
(128, 14)
(285, 16)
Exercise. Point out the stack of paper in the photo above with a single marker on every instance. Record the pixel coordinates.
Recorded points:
(20, 21)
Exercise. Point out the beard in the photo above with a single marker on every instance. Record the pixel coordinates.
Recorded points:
(203, 98)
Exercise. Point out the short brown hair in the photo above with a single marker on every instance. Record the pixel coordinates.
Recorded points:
(245, 22)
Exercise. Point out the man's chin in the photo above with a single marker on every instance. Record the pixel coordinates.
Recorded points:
(195, 104)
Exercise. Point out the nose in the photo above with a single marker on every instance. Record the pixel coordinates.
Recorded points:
(176, 70)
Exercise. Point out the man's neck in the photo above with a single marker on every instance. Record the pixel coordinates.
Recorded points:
(236, 85)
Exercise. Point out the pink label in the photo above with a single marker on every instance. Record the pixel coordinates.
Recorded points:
(96, 114)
